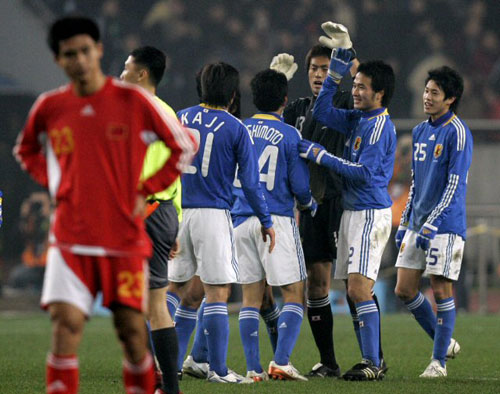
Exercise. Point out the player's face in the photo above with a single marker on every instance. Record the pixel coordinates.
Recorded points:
(435, 104)
(318, 70)
(80, 57)
(131, 72)
(365, 99)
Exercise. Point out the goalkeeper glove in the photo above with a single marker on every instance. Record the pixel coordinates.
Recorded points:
(284, 63)
(311, 151)
(338, 36)
(312, 206)
(425, 235)
(400, 235)
(340, 64)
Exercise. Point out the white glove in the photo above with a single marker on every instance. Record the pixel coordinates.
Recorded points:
(338, 36)
(284, 63)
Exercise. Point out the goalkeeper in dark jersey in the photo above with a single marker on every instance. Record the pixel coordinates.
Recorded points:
(319, 233)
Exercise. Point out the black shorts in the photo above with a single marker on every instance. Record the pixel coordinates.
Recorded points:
(319, 233)
(162, 227)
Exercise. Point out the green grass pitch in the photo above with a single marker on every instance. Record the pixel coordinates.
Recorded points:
(24, 342)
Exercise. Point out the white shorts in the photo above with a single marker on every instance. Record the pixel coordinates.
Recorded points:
(206, 248)
(443, 258)
(362, 239)
(285, 265)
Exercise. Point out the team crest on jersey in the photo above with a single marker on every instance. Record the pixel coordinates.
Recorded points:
(117, 131)
(438, 150)
(357, 143)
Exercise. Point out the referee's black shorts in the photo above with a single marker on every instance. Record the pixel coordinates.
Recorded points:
(162, 227)
(319, 233)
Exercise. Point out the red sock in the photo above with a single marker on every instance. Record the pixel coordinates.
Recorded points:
(139, 378)
(62, 374)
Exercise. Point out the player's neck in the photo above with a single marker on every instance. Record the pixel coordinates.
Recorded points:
(86, 88)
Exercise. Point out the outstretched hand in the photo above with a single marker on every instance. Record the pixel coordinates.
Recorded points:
(311, 151)
(337, 36)
(284, 63)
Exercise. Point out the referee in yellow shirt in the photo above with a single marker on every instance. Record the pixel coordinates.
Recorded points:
(145, 67)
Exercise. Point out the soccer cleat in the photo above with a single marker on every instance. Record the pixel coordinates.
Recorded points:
(179, 375)
(365, 370)
(258, 377)
(231, 377)
(383, 366)
(284, 372)
(192, 368)
(322, 371)
(453, 349)
(434, 370)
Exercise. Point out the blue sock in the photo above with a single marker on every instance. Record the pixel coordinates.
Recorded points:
(173, 302)
(185, 322)
(355, 323)
(369, 330)
(199, 351)
(249, 333)
(446, 315)
(216, 322)
(271, 317)
(289, 322)
(422, 310)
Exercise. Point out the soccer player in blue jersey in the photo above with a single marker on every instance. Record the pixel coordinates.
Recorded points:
(284, 177)
(366, 167)
(432, 232)
(206, 235)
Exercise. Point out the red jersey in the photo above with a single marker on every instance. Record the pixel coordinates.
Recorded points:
(89, 152)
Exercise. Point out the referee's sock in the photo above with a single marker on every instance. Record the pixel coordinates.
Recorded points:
(173, 302)
(424, 315)
(446, 315)
(369, 323)
(380, 352)
(319, 314)
(199, 351)
(216, 322)
(165, 340)
(249, 333)
(289, 323)
(185, 322)
(271, 317)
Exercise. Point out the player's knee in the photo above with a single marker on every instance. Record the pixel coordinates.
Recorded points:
(403, 293)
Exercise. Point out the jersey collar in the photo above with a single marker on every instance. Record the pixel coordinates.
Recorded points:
(375, 112)
(268, 115)
(443, 120)
(213, 107)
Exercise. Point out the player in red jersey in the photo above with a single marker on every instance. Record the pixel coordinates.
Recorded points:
(86, 142)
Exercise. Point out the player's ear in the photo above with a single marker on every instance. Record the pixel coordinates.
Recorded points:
(449, 101)
(100, 49)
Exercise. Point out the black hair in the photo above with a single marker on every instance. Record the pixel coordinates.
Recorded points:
(68, 27)
(153, 60)
(317, 51)
(450, 82)
(219, 84)
(269, 90)
(382, 76)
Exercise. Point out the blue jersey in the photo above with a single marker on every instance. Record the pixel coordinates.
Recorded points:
(284, 176)
(442, 153)
(369, 151)
(224, 142)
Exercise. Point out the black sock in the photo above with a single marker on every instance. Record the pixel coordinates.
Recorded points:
(380, 352)
(319, 314)
(166, 350)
